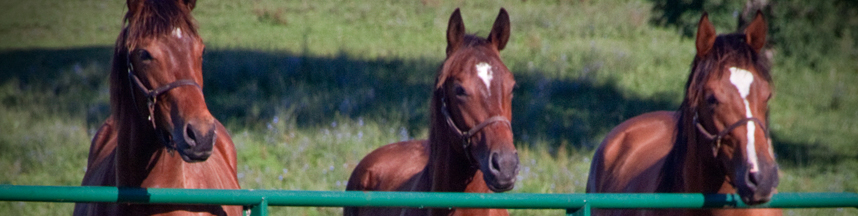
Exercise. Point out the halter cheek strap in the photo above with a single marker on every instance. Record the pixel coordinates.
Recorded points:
(152, 98)
(716, 138)
(465, 136)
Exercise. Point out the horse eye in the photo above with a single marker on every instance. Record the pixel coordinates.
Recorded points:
(461, 91)
(144, 55)
(712, 100)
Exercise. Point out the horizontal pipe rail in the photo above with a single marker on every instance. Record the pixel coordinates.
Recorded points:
(250, 197)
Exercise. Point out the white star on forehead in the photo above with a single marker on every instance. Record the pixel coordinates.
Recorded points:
(178, 33)
(742, 79)
(484, 71)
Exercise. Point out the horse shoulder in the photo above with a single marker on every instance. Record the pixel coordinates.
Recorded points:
(103, 143)
(499, 212)
(226, 165)
(100, 169)
(226, 155)
(630, 157)
(393, 167)
(388, 168)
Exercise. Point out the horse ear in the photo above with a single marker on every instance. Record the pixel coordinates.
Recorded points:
(500, 31)
(455, 32)
(190, 4)
(755, 34)
(133, 5)
(705, 35)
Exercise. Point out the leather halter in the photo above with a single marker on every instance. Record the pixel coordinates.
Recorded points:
(152, 98)
(717, 137)
(465, 136)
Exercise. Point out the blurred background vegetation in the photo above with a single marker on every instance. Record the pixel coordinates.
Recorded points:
(307, 88)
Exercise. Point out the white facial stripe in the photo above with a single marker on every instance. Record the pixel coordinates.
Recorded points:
(178, 33)
(752, 150)
(742, 79)
(484, 70)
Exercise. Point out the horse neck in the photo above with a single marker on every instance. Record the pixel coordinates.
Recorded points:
(690, 166)
(138, 149)
(450, 169)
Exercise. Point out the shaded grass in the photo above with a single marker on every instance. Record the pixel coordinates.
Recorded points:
(309, 87)
(42, 150)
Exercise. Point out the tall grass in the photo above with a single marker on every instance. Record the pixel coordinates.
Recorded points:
(307, 88)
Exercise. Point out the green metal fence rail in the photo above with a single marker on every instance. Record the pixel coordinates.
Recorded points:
(259, 200)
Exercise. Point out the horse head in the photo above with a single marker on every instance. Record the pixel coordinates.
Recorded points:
(162, 54)
(731, 87)
(475, 91)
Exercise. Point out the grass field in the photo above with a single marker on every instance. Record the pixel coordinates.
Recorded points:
(307, 88)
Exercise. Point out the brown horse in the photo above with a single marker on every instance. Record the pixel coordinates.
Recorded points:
(160, 133)
(470, 145)
(717, 142)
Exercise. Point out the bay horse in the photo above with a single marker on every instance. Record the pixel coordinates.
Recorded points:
(470, 146)
(160, 133)
(717, 142)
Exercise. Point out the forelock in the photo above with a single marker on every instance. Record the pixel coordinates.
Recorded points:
(157, 18)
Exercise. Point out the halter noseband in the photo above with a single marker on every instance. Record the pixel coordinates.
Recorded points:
(152, 98)
(465, 136)
(717, 137)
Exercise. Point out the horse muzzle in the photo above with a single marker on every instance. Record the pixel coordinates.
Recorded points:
(757, 187)
(501, 170)
(196, 141)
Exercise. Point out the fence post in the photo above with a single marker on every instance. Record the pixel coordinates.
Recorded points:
(260, 209)
(583, 211)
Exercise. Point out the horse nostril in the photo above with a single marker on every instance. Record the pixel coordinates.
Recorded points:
(495, 164)
(753, 179)
(190, 135)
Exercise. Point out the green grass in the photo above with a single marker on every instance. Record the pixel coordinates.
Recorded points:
(307, 88)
